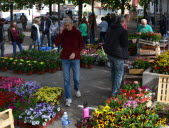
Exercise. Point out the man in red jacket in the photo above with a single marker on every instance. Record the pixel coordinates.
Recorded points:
(72, 44)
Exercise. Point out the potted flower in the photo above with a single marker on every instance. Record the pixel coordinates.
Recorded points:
(90, 60)
(29, 68)
(49, 94)
(59, 63)
(102, 60)
(41, 67)
(21, 37)
(83, 61)
(138, 66)
(53, 66)
(40, 115)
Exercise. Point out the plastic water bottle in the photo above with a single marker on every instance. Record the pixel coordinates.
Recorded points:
(65, 120)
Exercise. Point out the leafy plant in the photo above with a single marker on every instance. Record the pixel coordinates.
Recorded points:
(90, 59)
(140, 64)
(22, 36)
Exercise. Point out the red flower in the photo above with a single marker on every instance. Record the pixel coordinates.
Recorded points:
(133, 91)
(157, 68)
(108, 101)
(124, 91)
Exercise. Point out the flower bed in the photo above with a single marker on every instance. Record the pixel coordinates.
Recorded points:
(29, 97)
(126, 110)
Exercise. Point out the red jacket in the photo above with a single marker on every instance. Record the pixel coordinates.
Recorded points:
(72, 42)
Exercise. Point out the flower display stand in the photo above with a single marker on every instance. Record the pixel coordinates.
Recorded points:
(27, 125)
(136, 71)
(6, 119)
(163, 89)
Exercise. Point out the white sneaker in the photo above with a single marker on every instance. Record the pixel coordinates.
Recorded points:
(68, 102)
(78, 93)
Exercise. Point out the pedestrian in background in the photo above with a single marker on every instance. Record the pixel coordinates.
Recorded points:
(83, 30)
(2, 36)
(35, 34)
(23, 20)
(127, 19)
(116, 47)
(92, 28)
(72, 44)
(103, 29)
(53, 31)
(13, 36)
(44, 28)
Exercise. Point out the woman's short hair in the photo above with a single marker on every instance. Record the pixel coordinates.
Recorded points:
(36, 20)
(67, 20)
(120, 19)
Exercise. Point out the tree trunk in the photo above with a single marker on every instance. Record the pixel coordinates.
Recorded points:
(80, 9)
(144, 10)
(11, 12)
(122, 8)
(92, 6)
(59, 14)
(50, 8)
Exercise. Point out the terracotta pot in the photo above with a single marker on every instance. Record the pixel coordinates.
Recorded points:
(53, 70)
(47, 70)
(41, 72)
(29, 72)
(90, 66)
(20, 72)
(15, 71)
(35, 71)
(16, 122)
(82, 65)
(4, 69)
(60, 68)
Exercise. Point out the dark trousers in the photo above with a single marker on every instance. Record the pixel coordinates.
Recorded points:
(102, 36)
(85, 41)
(2, 47)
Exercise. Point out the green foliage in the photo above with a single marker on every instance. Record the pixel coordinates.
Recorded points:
(90, 59)
(140, 64)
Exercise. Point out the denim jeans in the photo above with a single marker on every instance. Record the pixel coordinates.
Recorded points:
(102, 36)
(117, 70)
(35, 44)
(92, 36)
(67, 65)
(2, 47)
(42, 38)
(14, 46)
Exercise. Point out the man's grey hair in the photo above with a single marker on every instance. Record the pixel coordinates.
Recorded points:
(67, 20)
(143, 21)
(126, 16)
(120, 19)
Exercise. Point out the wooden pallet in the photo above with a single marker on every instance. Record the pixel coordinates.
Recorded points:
(163, 89)
(6, 119)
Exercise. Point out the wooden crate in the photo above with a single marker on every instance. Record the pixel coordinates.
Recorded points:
(136, 71)
(6, 119)
(163, 89)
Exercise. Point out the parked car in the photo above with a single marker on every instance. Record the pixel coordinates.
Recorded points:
(8, 19)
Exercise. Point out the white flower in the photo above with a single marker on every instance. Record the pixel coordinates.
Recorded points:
(31, 109)
(20, 117)
(58, 109)
(29, 113)
(37, 122)
(44, 124)
(25, 121)
(46, 120)
(33, 122)
(31, 117)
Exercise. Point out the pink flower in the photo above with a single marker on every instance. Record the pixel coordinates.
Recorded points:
(139, 89)
(135, 82)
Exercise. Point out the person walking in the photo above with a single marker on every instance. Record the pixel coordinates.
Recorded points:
(44, 28)
(83, 30)
(116, 47)
(23, 20)
(53, 31)
(72, 44)
(13, 36)
(35, 34)
(2, 36)
(103, 29)
(92, 28)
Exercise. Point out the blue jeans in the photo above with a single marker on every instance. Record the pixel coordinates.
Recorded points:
(42, 38)
(117, 70)
(14, 46)
(102, 36)
(36, 43)
(92, 36)
(67, 65)
(2, 47)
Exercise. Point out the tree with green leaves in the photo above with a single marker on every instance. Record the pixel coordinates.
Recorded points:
(117, 4)
(145, 4)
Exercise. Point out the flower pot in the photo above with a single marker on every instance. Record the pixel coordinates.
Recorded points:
(16, 122)
(53, 70)
(60, 68)
(29, 72)
(15, 71)
(20, 72)
(4, 69)
(35, 71)
(90, 66)
(47, 70)
(82, 65)
(21, 41)
(41, 72)
(136, 71)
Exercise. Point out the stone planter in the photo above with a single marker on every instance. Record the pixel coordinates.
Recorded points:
(136, 71)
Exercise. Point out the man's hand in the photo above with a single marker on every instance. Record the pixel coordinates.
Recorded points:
(61, 29)
(72, 56)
